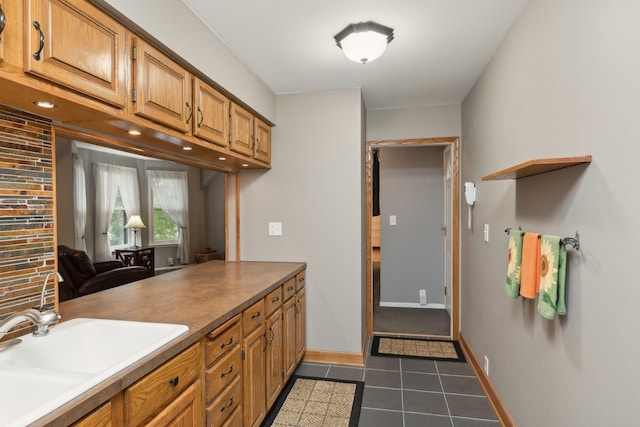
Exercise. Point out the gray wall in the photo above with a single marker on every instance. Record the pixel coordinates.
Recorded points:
(564, 82)
(419, 122)
(412, 251)
(315, 189)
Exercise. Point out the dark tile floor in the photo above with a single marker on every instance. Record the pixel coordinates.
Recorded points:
(413, 392)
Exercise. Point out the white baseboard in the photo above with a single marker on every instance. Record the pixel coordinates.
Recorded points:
(410, 305)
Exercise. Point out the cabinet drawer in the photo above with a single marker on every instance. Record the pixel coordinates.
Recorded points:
(299, 281)
(289, 288)
(253, 317)
(152, 393)
(225, 404)
(223, 339)
(273, 301)
(220, 375)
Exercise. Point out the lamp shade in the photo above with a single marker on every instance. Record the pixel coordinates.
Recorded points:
(135, 222)
(364, 42)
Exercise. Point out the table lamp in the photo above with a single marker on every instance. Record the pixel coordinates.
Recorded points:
(136, 223)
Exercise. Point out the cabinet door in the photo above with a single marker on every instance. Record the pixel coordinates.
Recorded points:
(241, 131)
(289, 349)
(274, 357)
(211, 121)
(262, 134)
(162, 88)
(72, 43)
(101, 417)
(184, 411)
(301, 324)
(253, 375)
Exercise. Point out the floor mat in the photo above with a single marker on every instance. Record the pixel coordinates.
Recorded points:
(417, 348)
(310, 401)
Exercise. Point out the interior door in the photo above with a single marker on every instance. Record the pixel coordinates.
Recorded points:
(447, 170)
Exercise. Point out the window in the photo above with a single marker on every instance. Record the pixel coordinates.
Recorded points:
(118, 235)
(163, 229)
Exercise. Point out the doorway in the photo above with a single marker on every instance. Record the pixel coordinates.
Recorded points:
(449, 179)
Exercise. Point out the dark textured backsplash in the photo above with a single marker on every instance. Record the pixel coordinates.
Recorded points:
(27, 231)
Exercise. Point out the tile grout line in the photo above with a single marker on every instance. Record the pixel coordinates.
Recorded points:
(401, 392)
(446, 402)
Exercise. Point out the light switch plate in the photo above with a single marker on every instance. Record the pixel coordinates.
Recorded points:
(392, 220)
(275, 229)
(486, 233)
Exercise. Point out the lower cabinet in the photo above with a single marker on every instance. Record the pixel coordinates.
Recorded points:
(223, 378)
(170, 395)
(103, 416)
(254, 374)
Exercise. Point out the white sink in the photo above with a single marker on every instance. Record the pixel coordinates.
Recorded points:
(42, 373)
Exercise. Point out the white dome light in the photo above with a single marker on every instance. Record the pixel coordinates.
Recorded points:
(364, 42)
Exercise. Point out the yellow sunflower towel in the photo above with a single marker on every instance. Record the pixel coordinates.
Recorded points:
(512, 286)
(553, 269)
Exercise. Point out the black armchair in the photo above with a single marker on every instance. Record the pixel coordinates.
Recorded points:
(82, 276)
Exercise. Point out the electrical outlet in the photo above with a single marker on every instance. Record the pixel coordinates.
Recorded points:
(486, 365)
(423, 297)
(275, 229)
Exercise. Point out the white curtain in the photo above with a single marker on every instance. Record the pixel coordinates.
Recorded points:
(171, 189)
(127, 179)
(79, 203)
(108, 178)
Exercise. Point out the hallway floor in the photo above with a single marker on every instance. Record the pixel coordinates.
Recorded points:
(411, 392)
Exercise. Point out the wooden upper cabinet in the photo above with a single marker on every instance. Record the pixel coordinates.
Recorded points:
(241, 140)
(211, 121)
(72, 43)
(262, 132)
(162, 89)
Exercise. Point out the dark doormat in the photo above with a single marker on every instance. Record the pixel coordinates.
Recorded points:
(417, 348)
(310, 401)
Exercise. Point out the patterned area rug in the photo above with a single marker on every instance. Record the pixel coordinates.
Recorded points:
(417, 348)
(322, 402)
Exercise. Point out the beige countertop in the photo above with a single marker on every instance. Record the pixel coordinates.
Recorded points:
(201, 296)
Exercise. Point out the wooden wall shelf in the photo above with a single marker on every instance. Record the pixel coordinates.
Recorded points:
(537, 166)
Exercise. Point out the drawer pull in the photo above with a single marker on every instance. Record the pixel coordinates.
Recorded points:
(174, 381)
(36, 55)
(301, 279)
(3, 19)
(276, 299)
(225, 344)
(290, 288)
(257, 314)
(228, 405)
(224, 374)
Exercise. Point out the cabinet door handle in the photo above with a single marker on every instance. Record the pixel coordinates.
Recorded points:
(228, 405)
(3, 20)
(190, 112)
(224, 374)
(257, 314)
(225, 344)
(273, 335)
(174, 381)
(266, 342)
(201, 117)
(36, 55)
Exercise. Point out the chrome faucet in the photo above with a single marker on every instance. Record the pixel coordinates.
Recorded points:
(40, 317)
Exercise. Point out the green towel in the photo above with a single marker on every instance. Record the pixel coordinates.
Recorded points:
(553, 268)
(512, 286)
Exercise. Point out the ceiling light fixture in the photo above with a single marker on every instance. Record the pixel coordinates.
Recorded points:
(187, 148)
(45, 104)
(364, 42)
(135, 132)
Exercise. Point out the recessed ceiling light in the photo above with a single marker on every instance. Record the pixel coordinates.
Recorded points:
(245, 165)
(134, 132)
(222, 158)
(45, 104)
(187, 148)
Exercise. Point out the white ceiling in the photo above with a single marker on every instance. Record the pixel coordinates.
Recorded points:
(439, 50)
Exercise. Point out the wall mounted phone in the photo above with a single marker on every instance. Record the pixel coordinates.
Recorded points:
(470, 197)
